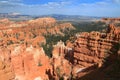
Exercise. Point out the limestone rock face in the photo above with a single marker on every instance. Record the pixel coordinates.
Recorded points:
(61, 66)
(47, 21)
(109, 20)
(31, 32)
(90, 49)
(21, 51)
(23, 58)
(6, 70)
(29, 63)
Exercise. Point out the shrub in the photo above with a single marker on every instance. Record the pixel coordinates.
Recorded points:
(39, 64)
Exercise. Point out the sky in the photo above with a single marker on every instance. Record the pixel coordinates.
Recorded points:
(100, 8)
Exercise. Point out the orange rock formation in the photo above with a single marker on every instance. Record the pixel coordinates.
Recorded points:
(91, 48)
(23, 58)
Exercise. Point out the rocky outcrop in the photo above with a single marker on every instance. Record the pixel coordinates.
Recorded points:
(111, 20)
(92, 48)
(31, 32)
(43, 22)
(61, 66)
(6, 72)
(23, 58)
(6, 69)
(29, 63)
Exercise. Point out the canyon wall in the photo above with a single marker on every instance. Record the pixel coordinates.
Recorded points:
(91, 49)
(22, 56)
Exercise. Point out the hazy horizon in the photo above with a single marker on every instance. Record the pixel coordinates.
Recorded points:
(98, 8)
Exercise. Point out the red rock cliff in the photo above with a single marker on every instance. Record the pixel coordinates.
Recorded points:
(90, 49)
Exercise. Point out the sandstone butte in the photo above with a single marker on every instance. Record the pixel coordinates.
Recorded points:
(22, 58)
